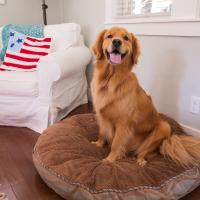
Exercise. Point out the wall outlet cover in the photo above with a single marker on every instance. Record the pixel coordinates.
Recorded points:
(195, 105)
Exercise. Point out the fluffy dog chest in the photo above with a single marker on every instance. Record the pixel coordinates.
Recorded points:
(112, 93)
(102, 94)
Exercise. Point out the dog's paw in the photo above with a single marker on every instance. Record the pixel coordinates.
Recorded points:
(105, 160)
(141, 161)
(97, 143)
(108, 160)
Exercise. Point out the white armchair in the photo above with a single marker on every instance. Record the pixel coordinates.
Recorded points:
(38, 99)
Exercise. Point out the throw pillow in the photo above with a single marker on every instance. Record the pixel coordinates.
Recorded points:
(24, 52)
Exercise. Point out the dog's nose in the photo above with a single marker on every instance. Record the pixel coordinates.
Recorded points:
(116, 43)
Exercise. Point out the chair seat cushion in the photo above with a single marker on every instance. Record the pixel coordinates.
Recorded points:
(15, 83)
(72, 166)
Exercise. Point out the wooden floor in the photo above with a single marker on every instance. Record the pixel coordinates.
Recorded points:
(18, 177)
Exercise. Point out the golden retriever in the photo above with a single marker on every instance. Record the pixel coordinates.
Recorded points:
(126, 115)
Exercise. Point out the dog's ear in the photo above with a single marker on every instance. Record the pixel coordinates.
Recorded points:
(136, 49)
(97, 48)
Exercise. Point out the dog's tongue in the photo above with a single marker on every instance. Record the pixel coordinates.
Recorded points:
(115, 58)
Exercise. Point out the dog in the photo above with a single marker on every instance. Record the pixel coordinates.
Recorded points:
(126, 115)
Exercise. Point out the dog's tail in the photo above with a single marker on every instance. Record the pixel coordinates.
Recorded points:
(183, 149)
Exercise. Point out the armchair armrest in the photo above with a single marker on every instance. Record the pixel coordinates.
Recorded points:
(71, 60)
(60, 65)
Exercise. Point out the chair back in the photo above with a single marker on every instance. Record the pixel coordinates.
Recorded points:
(63, 35)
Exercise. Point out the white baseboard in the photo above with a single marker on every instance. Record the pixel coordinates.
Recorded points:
(191, 130)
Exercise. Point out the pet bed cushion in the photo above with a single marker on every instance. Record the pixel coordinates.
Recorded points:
(72, 166)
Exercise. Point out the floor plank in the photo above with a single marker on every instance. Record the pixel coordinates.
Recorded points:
(7, 189)
(18, 176)
(34, 190)
(195, 195)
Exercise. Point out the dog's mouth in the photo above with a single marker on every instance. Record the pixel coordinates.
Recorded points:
(115, 57)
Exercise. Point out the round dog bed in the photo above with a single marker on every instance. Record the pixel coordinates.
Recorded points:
(72, 166)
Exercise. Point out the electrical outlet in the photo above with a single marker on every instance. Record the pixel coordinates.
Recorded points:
(2, 2)
(195, 105)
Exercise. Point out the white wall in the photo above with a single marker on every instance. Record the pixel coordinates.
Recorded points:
(29, 12)
(90, 14)
(169, 69)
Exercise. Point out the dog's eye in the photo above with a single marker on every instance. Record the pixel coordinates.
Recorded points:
(109, 36)
(126, 37)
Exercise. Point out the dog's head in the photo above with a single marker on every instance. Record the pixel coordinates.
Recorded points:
(117, 45)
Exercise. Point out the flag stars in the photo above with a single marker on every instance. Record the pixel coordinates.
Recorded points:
(12, 34)
(19, 41)
(12, 45)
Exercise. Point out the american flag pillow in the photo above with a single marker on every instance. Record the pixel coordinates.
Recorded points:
(24, 52)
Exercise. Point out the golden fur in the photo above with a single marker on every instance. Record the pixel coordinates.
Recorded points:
(126, 115)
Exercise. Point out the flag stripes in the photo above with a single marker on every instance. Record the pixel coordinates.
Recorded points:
(16, 57)
(26, 51)
(20, 66)
(41, 46)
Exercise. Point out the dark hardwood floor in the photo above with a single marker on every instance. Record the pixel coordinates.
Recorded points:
(18, 177)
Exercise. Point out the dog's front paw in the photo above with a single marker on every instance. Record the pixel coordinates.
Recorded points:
(141, 161)
(97, 143)
(110, 158)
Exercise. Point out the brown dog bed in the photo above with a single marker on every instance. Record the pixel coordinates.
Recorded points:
(72, 166)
